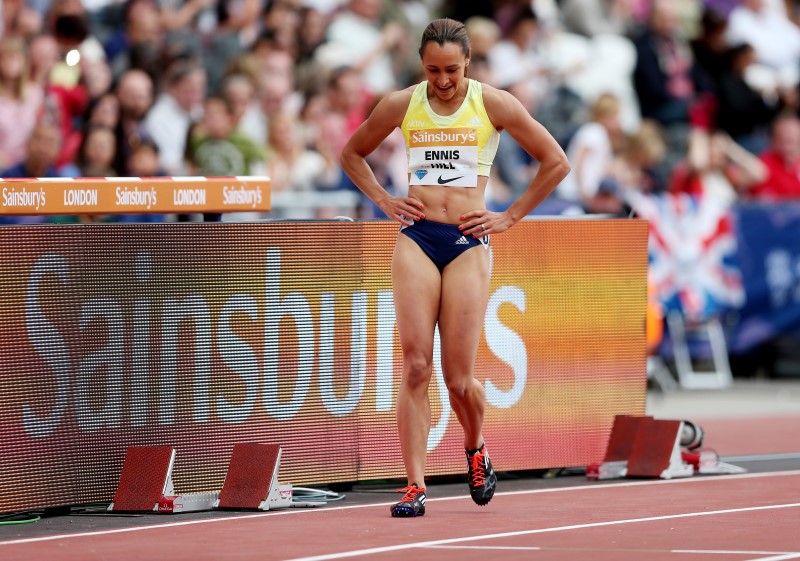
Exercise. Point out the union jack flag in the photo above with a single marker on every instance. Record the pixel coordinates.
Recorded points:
(692, 249)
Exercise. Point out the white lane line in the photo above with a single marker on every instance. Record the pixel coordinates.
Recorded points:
(400, 547)
(488, 547)
(762, 457)
(734, 552)
(781, 554)
(301, 511)
(778, 557)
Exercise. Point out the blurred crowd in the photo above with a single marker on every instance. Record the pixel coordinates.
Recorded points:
(696, 96)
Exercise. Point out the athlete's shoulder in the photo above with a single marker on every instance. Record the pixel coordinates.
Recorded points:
(501, 106)
(400, 98)
(394, 105)
(493, 96)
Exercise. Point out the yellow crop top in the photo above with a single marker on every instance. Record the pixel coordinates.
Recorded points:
(449, 150)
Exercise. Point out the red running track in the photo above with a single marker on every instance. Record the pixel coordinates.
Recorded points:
(752, 517)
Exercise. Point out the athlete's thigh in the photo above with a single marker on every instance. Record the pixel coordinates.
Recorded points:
(465, 293)
(416, 282)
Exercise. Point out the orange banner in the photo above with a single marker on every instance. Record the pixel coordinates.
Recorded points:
(139, 195)
(203, 335)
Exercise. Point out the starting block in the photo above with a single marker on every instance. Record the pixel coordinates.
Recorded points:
(145, 484)
(656, 451)
(640, 446)
(620, 445)
(252, 479)
(707, 462)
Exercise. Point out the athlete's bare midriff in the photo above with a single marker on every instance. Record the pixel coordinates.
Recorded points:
(447, 204)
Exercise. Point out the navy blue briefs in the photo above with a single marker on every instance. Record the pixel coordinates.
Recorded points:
(442, 242)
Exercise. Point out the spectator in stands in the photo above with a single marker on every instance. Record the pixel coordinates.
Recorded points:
(743, 112)
(184, 17)
(97, 152)
(181, 104)
(103, 111)
(295, 168)
(44, 53)
(144, 160)
(42, 148)
(272, 69)
(239, 93)
(792, 11)
(311, 120)
(462, 11)
(72, 86)
(216, 148)
(483, 35)
(68, 22)
(592, 17)
(355, 38)
(311, 31)
(591, 154)
(348, 99)
(413, 16)
(20, 101)
(18, 19)
(516, 62)
(236, 30)
(141, 43)
(774, 38)
(717, 167)
(252, 123)
(710, 46)
(41, 152)
(782, 160)
(96, 78)
(277, 69)
(66, 94)
(239, 18)
(723, 7)
(281, 21)
(637, 165)
(135, 96)
(665, 74)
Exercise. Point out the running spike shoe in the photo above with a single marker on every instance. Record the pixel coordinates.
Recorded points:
(481, 477)
(412, 504)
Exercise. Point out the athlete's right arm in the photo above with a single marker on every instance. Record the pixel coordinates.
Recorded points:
(386, 116)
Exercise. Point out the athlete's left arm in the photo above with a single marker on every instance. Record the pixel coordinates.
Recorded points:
(506, 112)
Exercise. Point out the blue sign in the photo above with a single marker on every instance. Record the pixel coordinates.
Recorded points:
(768, 255)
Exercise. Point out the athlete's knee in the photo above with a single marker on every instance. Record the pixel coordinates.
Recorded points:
(417, 370)
(459, 389)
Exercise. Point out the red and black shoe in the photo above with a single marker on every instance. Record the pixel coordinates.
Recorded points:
(481, 476)
(412, 504)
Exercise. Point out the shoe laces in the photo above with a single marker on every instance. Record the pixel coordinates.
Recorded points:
(411, 492)
(477, 471)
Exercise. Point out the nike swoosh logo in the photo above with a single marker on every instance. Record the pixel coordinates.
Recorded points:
(441, 181)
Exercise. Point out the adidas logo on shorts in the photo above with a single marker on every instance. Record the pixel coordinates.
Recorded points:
(462, 241)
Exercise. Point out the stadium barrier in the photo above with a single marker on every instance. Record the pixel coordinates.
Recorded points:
(141, 195)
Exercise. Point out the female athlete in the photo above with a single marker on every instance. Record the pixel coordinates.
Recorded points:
(440, 266)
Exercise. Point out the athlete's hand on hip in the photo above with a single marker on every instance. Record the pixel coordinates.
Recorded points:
(403, 209)
(479, 223)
